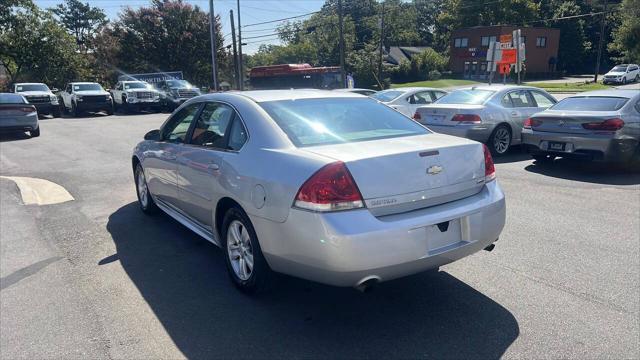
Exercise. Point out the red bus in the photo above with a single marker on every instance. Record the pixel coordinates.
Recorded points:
(287, 76)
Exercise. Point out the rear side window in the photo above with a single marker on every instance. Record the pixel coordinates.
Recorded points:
(386, 95)
(591, 103)
(309, 122)
(518, 99)
(542, 100)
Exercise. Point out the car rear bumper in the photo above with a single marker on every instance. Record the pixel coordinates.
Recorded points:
(477, 132)
(19, 123)
(605, 147)
(346, 248)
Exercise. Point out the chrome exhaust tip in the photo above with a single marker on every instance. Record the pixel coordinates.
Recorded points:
(366, 284)
(490, 247)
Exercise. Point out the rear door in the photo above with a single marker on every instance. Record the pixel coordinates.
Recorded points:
(201, 161)
(160, 159)
(520, 105)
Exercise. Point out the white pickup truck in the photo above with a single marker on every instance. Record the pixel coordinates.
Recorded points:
(135, 95)
(78, 97)
(40, 96)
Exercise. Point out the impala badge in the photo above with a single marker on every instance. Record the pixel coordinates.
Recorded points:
(434, 170)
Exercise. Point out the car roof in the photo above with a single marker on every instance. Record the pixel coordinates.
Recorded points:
(82, 82)
(499, 87)
(354, 89)
(415, 88)
(275, 95)
(609, 92)
(27, 83)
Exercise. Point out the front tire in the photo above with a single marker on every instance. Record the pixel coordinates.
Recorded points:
(145, 200)
(246, 265)
(55, 113)
(74, 110)
(110, 109)
(500, 140)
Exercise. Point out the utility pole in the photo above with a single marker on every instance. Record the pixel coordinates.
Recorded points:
(381, 48)
(240, 65)
(343, 76)
(602, 27)
(214, 46)
(235, 53)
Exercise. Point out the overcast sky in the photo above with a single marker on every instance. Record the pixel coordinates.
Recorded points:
(252, 11)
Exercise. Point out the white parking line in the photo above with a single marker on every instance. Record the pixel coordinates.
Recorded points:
(40, 191)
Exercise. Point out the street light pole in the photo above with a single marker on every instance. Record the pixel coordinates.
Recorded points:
(240, 65)
(235, 52)
(214, 46)
(381, 46)
(343, 76)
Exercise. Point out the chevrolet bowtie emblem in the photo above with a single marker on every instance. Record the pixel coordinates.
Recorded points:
(434, 170)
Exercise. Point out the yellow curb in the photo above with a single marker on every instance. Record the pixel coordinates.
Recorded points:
(40, 191)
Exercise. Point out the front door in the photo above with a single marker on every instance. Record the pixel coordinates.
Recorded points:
(160, 158)
(201, 164)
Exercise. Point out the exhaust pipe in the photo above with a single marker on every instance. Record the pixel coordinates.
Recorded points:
(366, 284)
(490, 247)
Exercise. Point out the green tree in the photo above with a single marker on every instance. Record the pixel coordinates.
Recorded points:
(626, 38)
(33, 47)
(81, 20)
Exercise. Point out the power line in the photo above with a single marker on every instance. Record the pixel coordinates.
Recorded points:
(278, 20)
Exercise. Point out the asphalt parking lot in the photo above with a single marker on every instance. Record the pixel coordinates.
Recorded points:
(95, 278)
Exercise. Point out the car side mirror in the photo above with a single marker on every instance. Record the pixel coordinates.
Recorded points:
(152, 135)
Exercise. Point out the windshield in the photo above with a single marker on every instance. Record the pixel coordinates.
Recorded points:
(178, 84)
(589, 103)
(85, 87)
(387, 95)
(619, 68)
(309, 122)
(12, 99)
(136, 85)
(31, 87)
(467, 96)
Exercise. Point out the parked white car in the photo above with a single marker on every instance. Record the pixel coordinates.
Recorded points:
(40, 96)
(622, 74)
(78, 97)
(135, 95)
(407, 99)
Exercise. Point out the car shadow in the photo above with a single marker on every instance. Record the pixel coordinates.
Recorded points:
(515, 154)
(14, 136)
(588, 171)
(183, 279)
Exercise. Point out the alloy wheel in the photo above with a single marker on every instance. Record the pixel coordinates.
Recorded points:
(239, 250)
(143, 193)
(501, 140)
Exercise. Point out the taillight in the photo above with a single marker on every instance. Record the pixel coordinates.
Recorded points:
(27, 109)
(529, 123)
(607, 125)
(467, 118)
(331, 188)
(417, 116)
(489, 167)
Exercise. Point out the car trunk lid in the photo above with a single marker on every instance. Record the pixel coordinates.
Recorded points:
(442, 115)
(403, 174)
(569, 122)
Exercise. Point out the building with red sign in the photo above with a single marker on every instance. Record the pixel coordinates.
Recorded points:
(468, 55)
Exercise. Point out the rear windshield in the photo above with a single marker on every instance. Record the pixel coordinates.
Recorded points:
(309, 122)
(31, 87)
(587, 103)
(387, 95)
(85, 87)
(12, 99)
(471, 97)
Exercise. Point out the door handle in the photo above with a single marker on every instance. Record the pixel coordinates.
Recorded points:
(514, 113)
(213, 167)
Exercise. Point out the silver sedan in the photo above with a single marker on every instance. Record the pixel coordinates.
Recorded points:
(407, 99)
(490, 114)
(595, 125)
(17, 115)
(328, 186)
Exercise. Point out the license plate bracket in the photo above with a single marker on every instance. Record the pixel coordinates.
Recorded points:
(557, 146)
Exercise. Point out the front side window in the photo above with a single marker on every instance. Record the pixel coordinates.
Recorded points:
(310, 122)
(212, 125)
(542, 100)
(177, 128)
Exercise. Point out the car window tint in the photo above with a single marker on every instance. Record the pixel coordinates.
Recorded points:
(212, 125)
(12, 99)
(638, 106)
(521, 98)
(423, 97)
(542, 100)
(466, 96)
(309, 122)
(387, 95)
(438, 94)
(176, 130)
(237, 134)
(591, 103)
(506, 101)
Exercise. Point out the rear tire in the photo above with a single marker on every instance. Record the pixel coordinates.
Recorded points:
(543, 158)
(246, 265)
(74, 110)
(110, 110)
(145, 200)
(624, 80)
(35, 133)
(55, 113)
(500, 140)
